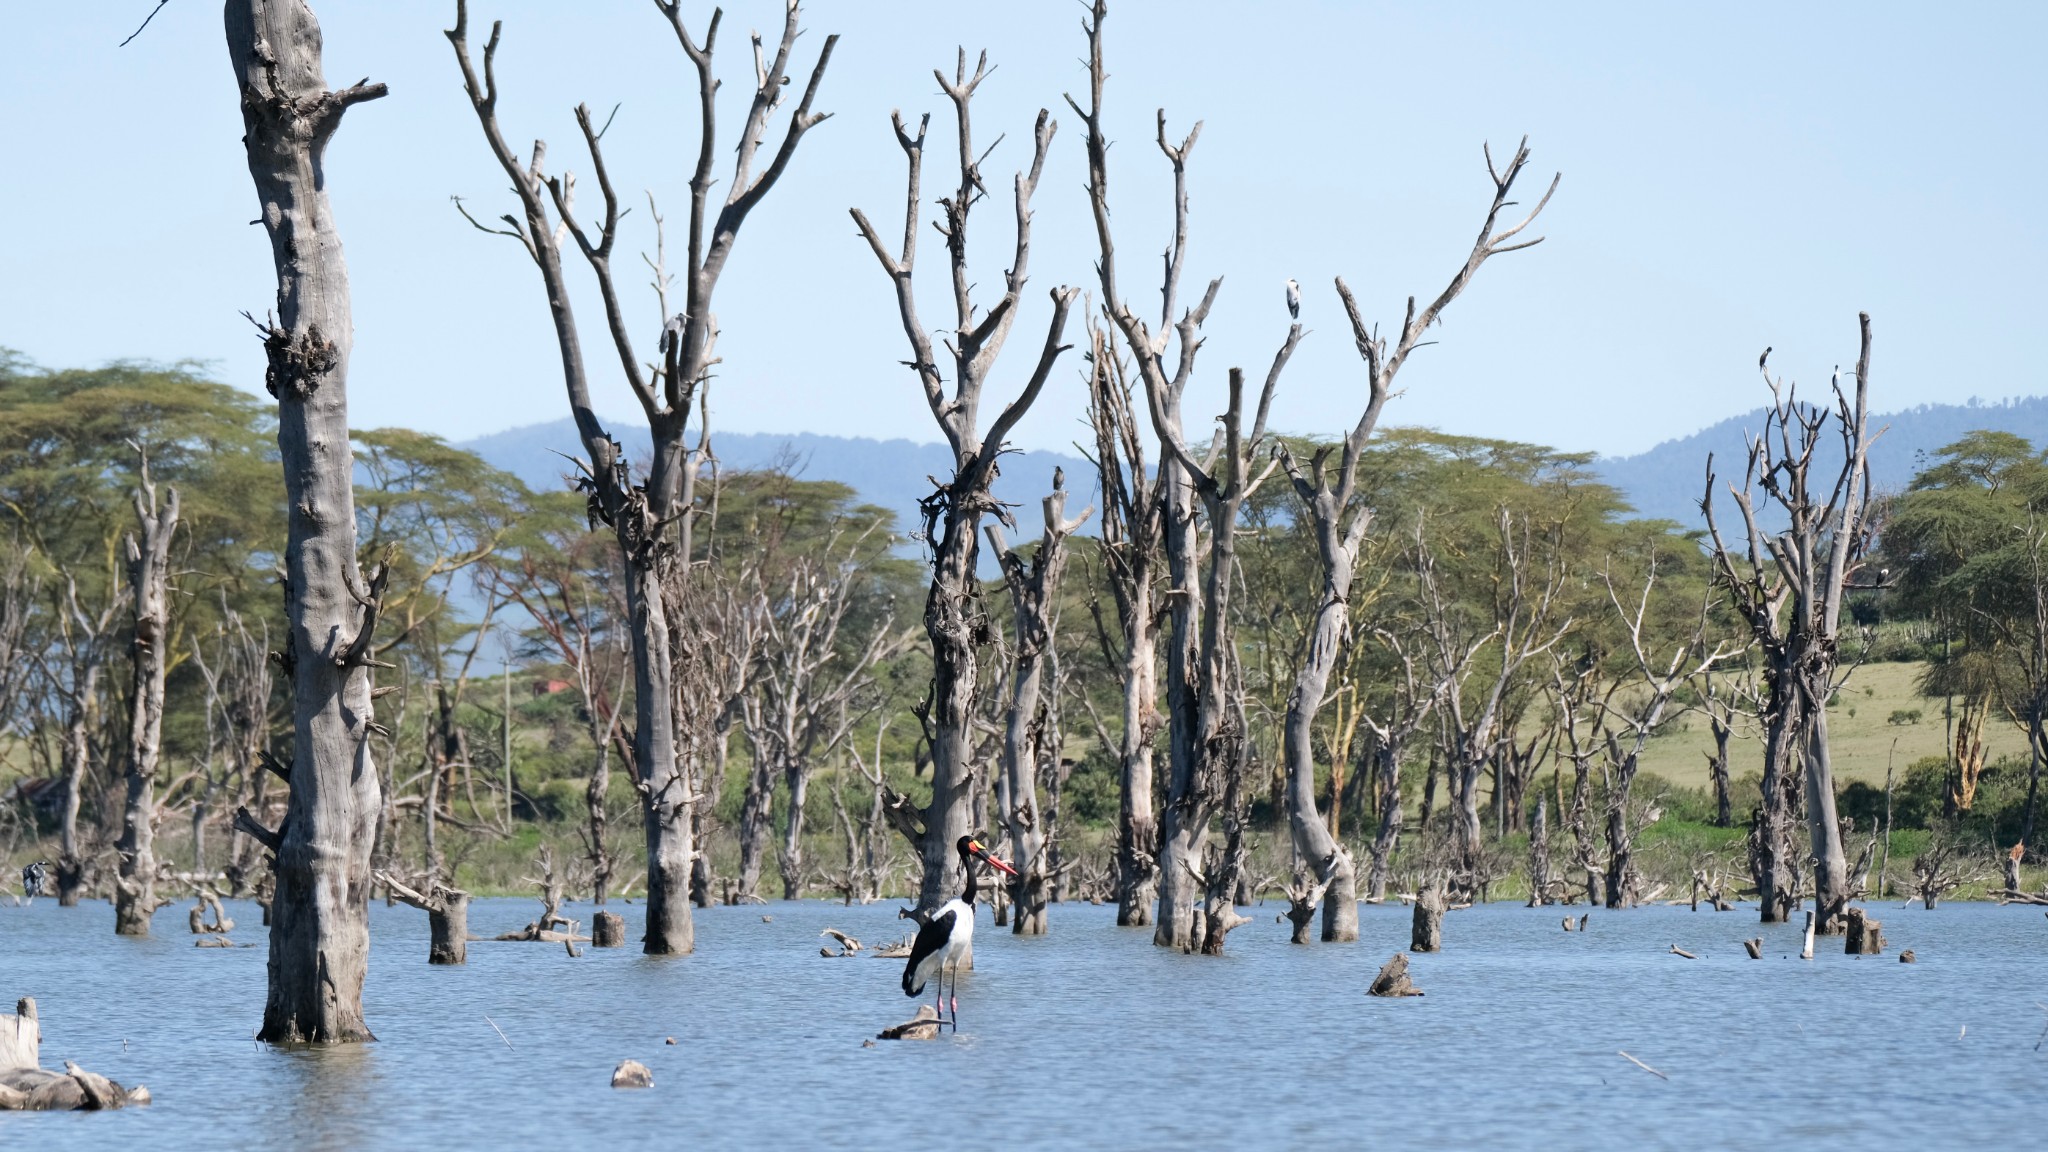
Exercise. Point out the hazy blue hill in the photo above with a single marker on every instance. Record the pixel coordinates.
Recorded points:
(1667, 480)
(892, 473)
(1664, 482)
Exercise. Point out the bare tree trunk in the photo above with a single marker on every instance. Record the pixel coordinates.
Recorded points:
(792, 857)
(79, 708)
(756, 817)
(1717, 768)
(149, 575)
(1830, 863)
(1389, 835)
(319, 926)
(1034, 590)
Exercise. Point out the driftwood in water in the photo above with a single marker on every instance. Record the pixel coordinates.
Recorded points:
(1393, 979)
(847, 944)
(924, 1026)
(607, 929)
(1755, 948)
(894, 950)
(1866, 936)
(25, 1086)
(1428, 932)
(1677, 951)
(447, 912)
(632, 1074)
(220, 925)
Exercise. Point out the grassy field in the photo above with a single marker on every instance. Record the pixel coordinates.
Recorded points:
(1861, 736)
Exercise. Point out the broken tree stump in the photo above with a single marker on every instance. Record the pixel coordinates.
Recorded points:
(1807, 952)
(924, 1026)
(632, 1074)
(607, 929)
(27, 1087)
(1907, 957)
(1393, 979)
(447, 912)
(1755, 948)
(1427, 934)
(1866, 936)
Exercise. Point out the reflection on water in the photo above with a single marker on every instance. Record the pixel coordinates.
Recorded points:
(1088, 1037)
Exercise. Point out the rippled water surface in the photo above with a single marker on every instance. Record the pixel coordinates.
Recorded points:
(1088, 1037)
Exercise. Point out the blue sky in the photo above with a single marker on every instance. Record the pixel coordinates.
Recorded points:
(1734, 176)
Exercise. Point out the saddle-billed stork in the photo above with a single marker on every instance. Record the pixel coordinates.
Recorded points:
(943, 936)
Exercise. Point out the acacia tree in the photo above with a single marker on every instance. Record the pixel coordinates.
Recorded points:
(1787, 585)
(955, 618)
(149, 574)
(1034, 592)
(1131, 525)
(319, 926)
(651, 520)
(1340, 522)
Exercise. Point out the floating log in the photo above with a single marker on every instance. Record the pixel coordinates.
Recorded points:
(1866, 936)
(607, 929)
(1755, 948)
(847, 944)
(1393, 978)
(925, 1026)
(632, 1074)
(1677, 951)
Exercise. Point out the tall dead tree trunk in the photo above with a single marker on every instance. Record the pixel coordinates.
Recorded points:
(1788, 586)
(1034, 591)
(1200, 744)
(319, 925)
(1131, 526)
(86, 640)
(652, 521)
(1340, 529)
(955, 618)
(149, 577)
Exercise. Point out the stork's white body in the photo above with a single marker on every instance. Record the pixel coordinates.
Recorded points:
(958, 941)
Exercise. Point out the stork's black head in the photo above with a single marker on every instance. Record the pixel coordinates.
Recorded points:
(970, 848)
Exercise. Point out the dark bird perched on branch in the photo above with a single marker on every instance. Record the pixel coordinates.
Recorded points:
(1760, 360)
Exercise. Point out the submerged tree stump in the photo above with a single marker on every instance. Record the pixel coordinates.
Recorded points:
(1866, 936)
(447, 912)
(1907, 957)
(924, 1026)
(1427, 934)
(607, 929)
(1393, 979)
(1755, 948)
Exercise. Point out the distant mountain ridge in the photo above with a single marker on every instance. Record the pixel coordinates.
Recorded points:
(1667, 481)
(1664, 482)
(894, 474)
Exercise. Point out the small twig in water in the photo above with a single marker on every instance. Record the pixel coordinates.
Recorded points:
(508, 1040)
(1644, 1067)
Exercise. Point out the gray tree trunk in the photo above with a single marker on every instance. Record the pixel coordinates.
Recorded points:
(798, 777)
(756, 821)
(319, 926)
(79, 708)
(1830, 862)
(1388, 837)
(1182, 826)
(149, 575)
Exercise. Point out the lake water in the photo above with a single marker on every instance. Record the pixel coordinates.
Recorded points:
(1086, 1038)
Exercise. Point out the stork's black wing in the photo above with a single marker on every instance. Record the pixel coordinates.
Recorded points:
(931, 939)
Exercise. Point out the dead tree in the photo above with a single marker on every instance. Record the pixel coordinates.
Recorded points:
(319, 925)
(1942, 867)
(1723, 703)
(1204, 745)
(1523, 605)
(149, 577)
(652, 521)
(1410, 704)
(1034, 593)
(1788, 587)
(86, 639)
(955, 618)
(1630, 726)
(1340, 522)
(1582, 693)
(795, 703)
(1131, 527)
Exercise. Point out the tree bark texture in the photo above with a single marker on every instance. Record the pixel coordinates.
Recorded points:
(1034, 592)
(319, 926)
(149, 576)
